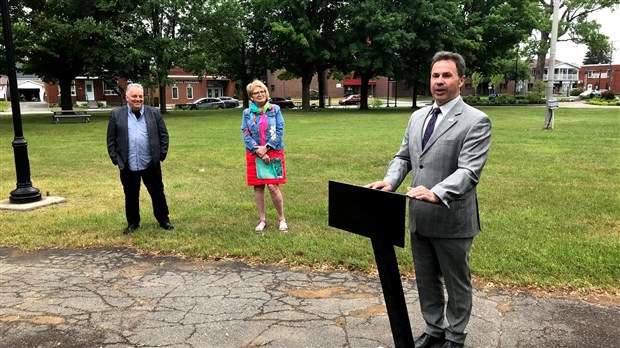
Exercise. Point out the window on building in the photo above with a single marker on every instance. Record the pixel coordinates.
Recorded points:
(107, 89)
(73, 92)
(273, 88)
(467, 86)
(175, 92)
(190, 92)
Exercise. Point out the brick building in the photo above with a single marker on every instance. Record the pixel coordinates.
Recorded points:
(337, 89)
(86, 91)
(600, 76)
(185, 89)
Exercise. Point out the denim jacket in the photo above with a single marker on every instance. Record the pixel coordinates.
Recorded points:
(273, 134)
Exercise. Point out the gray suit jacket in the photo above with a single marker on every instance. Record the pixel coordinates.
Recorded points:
(118, 139)
(450, 166)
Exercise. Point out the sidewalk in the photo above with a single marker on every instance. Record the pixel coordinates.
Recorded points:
(120, 298)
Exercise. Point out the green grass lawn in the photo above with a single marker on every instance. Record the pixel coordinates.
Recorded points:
(550, 200)
(4, 105)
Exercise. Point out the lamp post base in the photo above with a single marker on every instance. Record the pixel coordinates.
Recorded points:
(22, 195)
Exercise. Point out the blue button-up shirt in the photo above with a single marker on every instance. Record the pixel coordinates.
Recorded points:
(139, 152)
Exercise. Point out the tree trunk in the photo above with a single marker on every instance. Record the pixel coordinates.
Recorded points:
(321, 79)
(414, 98)
(306, 78)
(245, 80)
(539, 71)
(65, 93)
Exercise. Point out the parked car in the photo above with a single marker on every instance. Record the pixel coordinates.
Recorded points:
(591, 93)
(353, 99)
(230, 102)
(282, 103)
(203, 104)
(494, 95)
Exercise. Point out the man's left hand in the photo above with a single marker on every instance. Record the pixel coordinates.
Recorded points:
(422, 193)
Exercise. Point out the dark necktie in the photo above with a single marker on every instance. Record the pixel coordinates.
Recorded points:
(138, 114)
(430, 127)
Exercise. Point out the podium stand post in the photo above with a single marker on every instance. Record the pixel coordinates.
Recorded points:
(387, 265)
(380, 216)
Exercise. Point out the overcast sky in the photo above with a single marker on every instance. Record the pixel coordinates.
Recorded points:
(610, 26)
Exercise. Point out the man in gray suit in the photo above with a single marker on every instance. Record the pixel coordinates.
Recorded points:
(445, 147)
(137, 143)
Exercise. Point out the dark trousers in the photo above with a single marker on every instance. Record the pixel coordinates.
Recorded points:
(154, 185)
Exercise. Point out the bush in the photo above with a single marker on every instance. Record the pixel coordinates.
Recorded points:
(608, 94)
(504, 99)
(576, 92)
(535, 98)
(602, 102)
(471, 99)
(376, 102)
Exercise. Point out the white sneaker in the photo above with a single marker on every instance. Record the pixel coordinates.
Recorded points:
(260, 227)
(283, 226)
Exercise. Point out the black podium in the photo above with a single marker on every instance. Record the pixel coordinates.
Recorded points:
(380, 216)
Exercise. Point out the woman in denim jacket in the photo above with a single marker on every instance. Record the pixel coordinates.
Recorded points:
(262, 128)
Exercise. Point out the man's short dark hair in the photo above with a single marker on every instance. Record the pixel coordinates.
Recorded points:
(458, 60)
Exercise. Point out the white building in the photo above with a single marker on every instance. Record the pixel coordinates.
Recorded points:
(4, 83)
(565, 76)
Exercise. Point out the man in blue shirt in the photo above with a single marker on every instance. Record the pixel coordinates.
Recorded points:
(137, 143)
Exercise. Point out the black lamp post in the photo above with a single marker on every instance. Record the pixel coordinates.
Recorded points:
(25, 192)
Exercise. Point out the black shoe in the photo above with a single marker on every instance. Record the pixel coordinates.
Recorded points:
(130, 229)
(427, 341)
(451, 344)
(167, 226)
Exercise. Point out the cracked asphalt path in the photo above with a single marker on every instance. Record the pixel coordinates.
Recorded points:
(122, 298)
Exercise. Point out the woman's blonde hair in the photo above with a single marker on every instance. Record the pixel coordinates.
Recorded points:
(256, 83)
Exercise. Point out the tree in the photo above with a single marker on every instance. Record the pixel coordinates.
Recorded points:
(514, 69)
(476, 80)
(3, 62)
(481, 30)
(302, 36)
(421, 18)
(490, 29)
(574, 26)
(14, 8)
(59, 39)
(496, 80)
(377, 35)
(599, 53)
(224, 25)
(166, 26)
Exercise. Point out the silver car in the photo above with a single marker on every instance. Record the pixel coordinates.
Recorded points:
(230, 102)
(208, 104)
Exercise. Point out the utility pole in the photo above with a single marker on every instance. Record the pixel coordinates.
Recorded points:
(552, 104)
(610, 73)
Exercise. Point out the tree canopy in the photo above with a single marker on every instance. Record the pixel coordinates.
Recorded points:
(300, 36)
(59, 39)
(599, 52)
(142, 40)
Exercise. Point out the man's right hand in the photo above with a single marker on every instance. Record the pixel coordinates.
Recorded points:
(381, 185)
